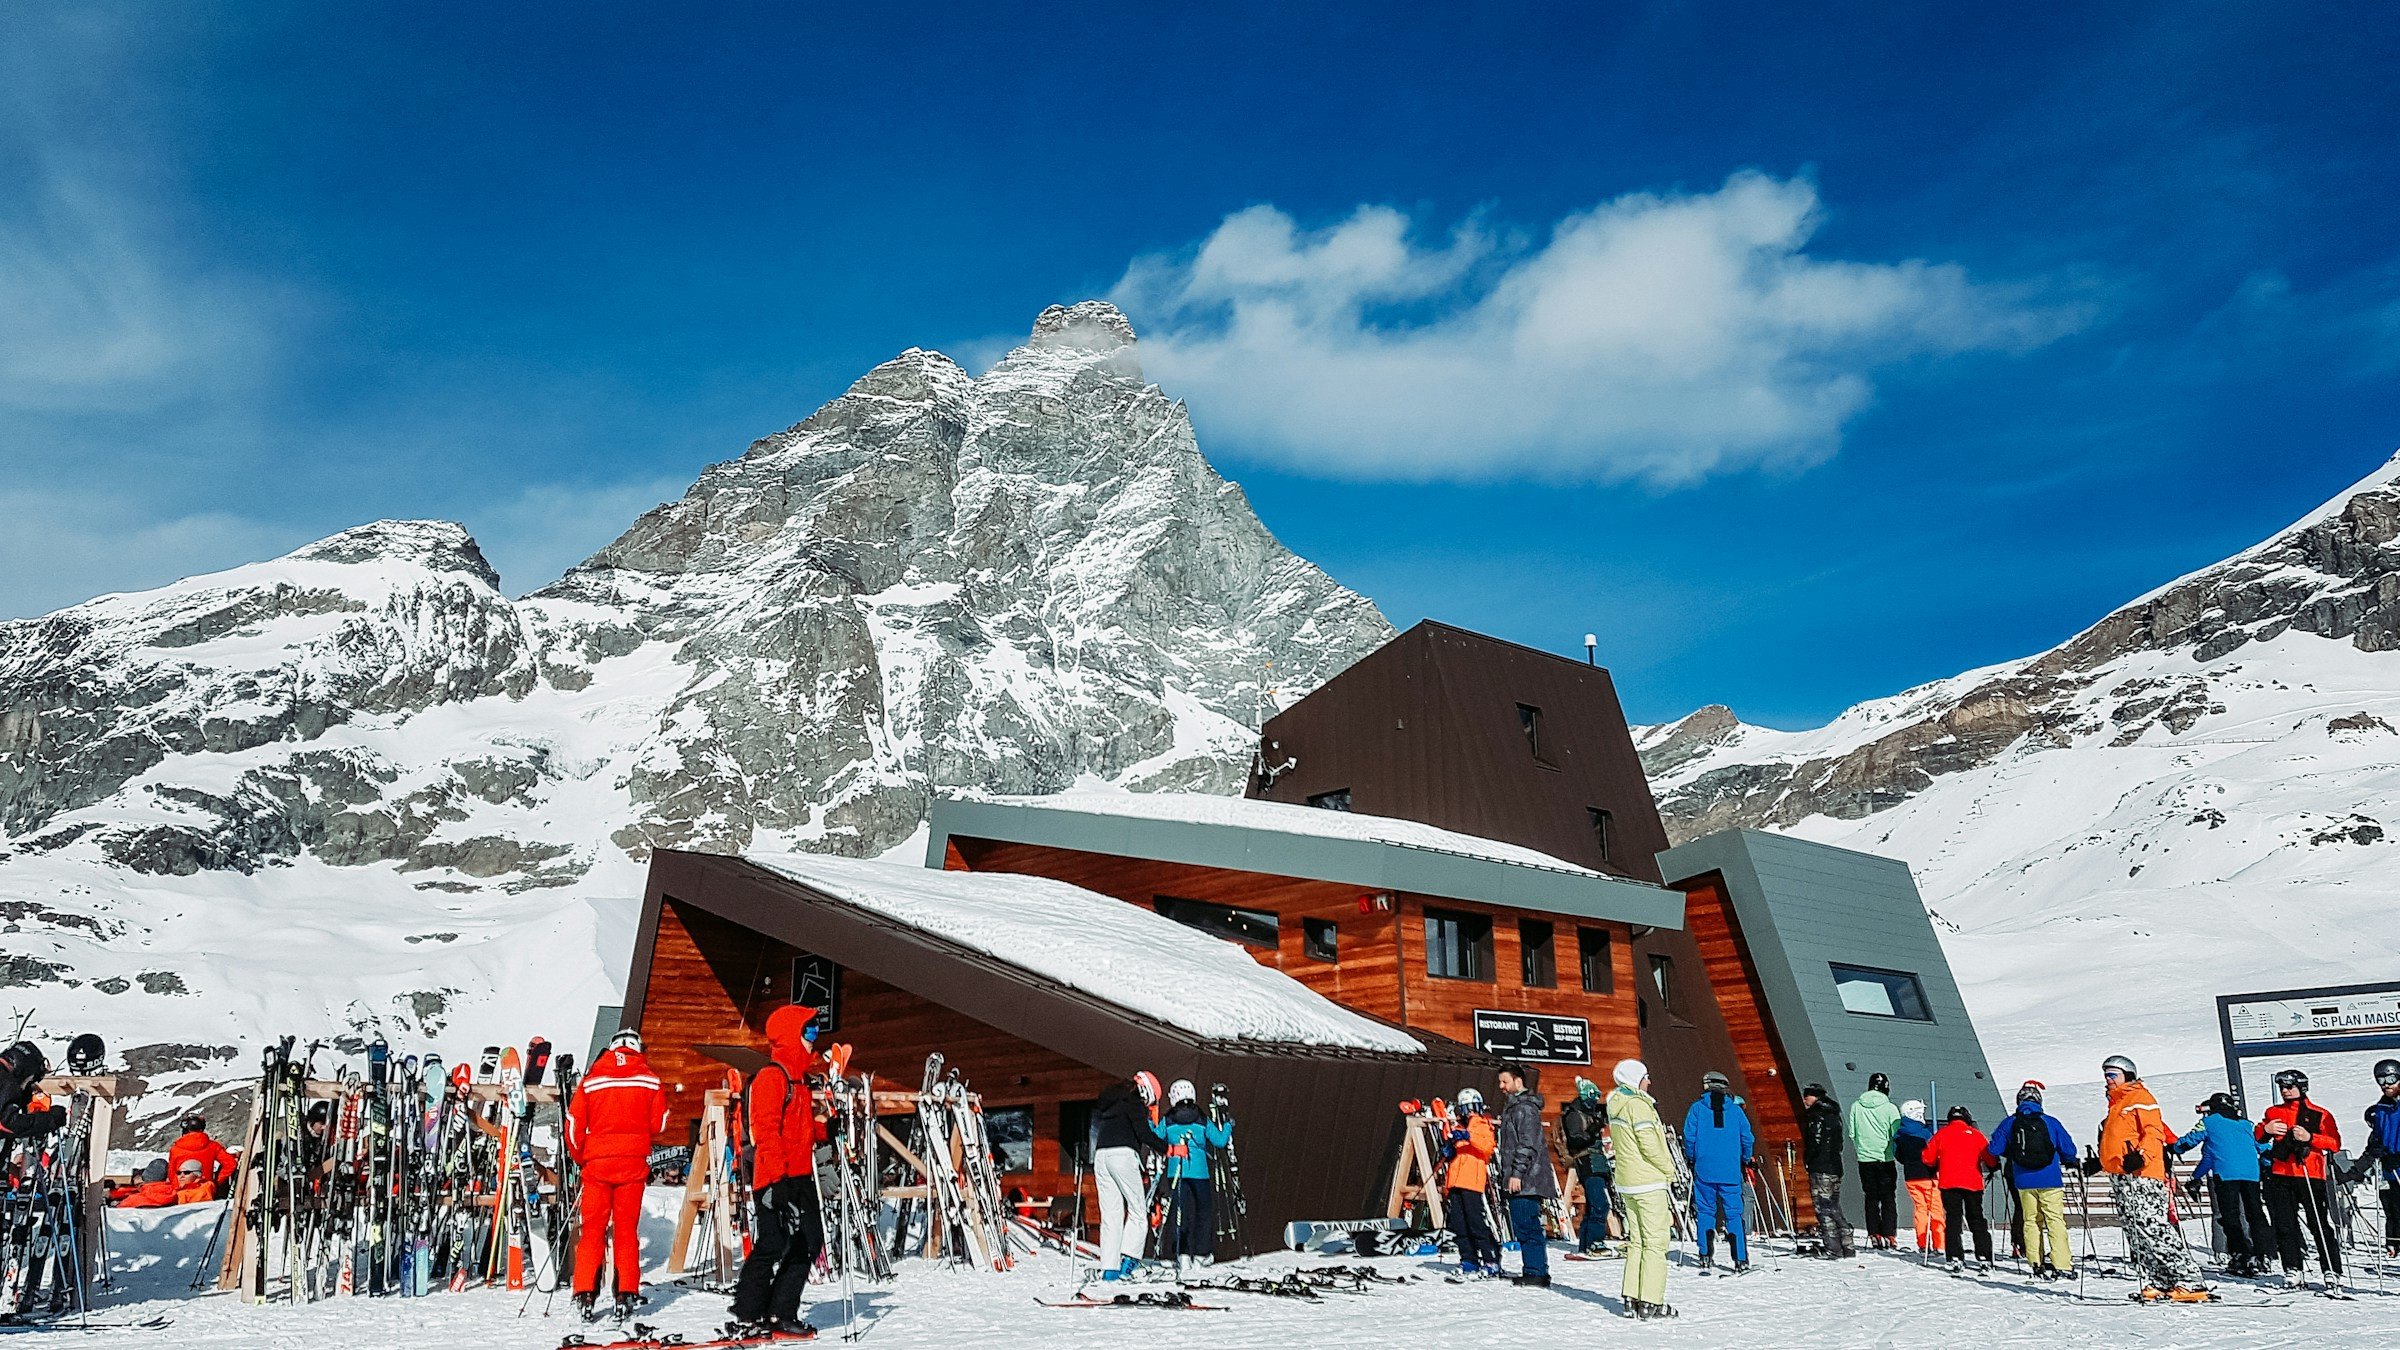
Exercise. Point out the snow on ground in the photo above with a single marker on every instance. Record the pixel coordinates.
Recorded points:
(1872, 1300)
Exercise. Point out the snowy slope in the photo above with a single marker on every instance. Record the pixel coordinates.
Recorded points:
(359, 788)
(2192, 797)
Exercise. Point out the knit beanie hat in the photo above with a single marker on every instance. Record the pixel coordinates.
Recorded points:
(1631, 1072)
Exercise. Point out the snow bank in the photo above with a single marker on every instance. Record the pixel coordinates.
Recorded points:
(1105, 947)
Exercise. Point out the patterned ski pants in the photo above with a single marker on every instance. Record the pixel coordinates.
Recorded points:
(2151, 1239)
(1825, 1193)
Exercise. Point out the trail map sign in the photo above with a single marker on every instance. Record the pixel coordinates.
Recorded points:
(2331, 1020)
(1533, 1038)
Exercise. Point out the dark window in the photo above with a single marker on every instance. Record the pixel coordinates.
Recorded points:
(1458, 946)
(1320, 940)
(1530, 718)
(1010, 1129)
(1662, 976)
(1599, 965)
(1535, 940)
(1881, 993)
(1074, 1134)
(1603, 830)
(1252, 927)
(1336, 800)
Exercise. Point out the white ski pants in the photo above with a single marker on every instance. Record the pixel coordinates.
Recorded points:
(1124, 1205)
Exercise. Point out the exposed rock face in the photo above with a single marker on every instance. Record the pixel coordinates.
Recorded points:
(1010, 583)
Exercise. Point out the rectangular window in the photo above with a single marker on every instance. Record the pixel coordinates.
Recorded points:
(1599, 964)
(1539, 952)
(1250, 927)
(1662, 978)
(1074, 1134)
(1320, 940)
(1530, 718)
(1603, 829)
(1457, 946)
(1881, 993)
(1336, 800)
(1010, 1129)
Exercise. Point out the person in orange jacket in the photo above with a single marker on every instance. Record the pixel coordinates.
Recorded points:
(217, 1164)
(782, 1117)
(2299, 1135)
(154, 1189)
(619, 1108)
(2134, 1139)
(1465, 1184)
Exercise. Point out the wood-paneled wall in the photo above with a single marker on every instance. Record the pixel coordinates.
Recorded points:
(1764, 1075)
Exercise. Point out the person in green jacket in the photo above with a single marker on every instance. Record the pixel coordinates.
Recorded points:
(1874, 1130)
(1645, 1182)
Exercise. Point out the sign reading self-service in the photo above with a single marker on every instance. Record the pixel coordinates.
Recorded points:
(1533, 1038)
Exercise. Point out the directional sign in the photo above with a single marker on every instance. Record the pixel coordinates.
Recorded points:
(1533, 1038)
(2282, 1020)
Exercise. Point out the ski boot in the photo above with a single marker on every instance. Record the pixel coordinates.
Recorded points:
(738, 1330)
(1595, 1250)
(584, 1302)
(1652, 1312)
(793, 1331)
(625, 1305)
(1741, 1267)
(1983, 1268)
(1956, 1267)
(1532, 1281)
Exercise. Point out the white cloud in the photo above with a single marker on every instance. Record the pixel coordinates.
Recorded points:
(1658, 337)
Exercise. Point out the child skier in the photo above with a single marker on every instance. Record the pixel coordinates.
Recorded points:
(1924, 1192)
(1466, 1183)
(1191, 1208)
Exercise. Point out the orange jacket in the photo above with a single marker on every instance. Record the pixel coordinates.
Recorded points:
(217, 1165)
(619, 1108)
(2294, 1160)
(1471, 1160)
(783, 1114)
(144, 1195)
(2134, 1121)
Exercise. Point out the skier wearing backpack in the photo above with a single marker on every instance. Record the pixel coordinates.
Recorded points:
(782, 1118)
(1465, 1183)
(2383, 1147)
(1121, 1136)
(2035, 1148)
(1646, 1179)
(1718, 1142)
(2300, 1135)
(619, 1107)
(2133, 1152)
(1873, 1123)
(1821, 1153)
(2228, 1148)
(1924, 1191)
(1189, 1134)
(1583, 1122)
(24, 1112)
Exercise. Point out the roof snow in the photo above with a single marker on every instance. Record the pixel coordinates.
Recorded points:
(1107, 948)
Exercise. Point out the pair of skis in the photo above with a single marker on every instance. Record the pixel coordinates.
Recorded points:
(650, 1338)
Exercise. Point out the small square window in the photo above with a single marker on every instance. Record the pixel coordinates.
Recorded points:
(1320, 939)
(1662, 978)
(1336, 800)
(1529, 717)
(1458, 946)
(1604, 828)
(1598, 962)
(1881, 993)
(1539, 950)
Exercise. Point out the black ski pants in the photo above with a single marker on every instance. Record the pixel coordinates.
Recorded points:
(1192, 1218)
(791, 1232)
(1882, 1182)
(2390, 1196)
(2297, 1205)
(2243, 1216)
(1963, 1209)
(1470, 1218)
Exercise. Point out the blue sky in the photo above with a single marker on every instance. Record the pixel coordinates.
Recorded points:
(1803, 353)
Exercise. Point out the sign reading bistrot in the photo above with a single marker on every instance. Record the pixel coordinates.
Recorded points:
(2276, 1020)
(1533, 1038)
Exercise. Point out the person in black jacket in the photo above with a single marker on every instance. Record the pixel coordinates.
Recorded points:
(1121, 1134)
(22, 1069)
(1821, 1152)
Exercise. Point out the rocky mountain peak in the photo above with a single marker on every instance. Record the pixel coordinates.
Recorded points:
(435, 545)
(1087, 325)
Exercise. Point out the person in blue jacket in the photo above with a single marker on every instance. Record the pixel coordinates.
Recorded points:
(1718, 1142)
(2228, 1148)
(2036, 1150)
(1191, 1205)
(2383, 1147)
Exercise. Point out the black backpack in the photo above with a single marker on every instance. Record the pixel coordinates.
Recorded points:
(1577, 1121)
(2030, 1147)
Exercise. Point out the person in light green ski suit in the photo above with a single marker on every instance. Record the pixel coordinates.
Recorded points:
(1874, 1132)
(1645, 1181)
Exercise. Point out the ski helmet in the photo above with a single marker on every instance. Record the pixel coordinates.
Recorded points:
(1181, 1091)
(2122, 1065)
(2031, 1092)
(24, 1062)
(2387, 1071)
(628, 1039)
(84, 1054)
(1469, 1099)
(2291, 1078)
(1816, 1090)
(1962, 1113)
(320, 1113)
(195, 1123)
(2220, 1104)
(1914, 1110)
(1715, 1080)
(1878, 1082)
(1146, 1083)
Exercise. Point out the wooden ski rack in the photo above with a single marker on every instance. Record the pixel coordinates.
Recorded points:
(105, 1090)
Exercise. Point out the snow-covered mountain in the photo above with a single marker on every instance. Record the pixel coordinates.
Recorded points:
(360, 787)
(2196, 795)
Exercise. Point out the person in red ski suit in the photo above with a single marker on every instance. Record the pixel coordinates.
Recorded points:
(782, 1117)
(619, 1108)
(217, 1164)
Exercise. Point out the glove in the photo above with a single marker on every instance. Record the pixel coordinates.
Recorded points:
(2191, 1189)
(2133, 1161)
(780, 1196)
(2091, 1166)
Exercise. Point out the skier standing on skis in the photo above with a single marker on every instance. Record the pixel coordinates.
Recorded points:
(1873, 1123)
(1646, 1180)
(2299, 1135)
(2133, 1152)
(1717, 1141)
(1924, 1191)
(2036, 1149)
(1189, 1134)
(1821, 1153)
(2228, 1148)
(1121, 1136)
(1583, 1123)
(24, 1112)
(217, 1163)
(1524, 1159)
(1464, 1186)
(1957, 1153)
(2383, 1147)
(782, 1118)
(619, 1108)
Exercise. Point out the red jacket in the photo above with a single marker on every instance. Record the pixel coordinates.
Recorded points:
(619, 1108)
(783, 1115)
(2324, 1137)
(1956, 1153)
(143, 1195)
(217, 1165)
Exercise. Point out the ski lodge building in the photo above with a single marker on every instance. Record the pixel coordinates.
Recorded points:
(1449, 857)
